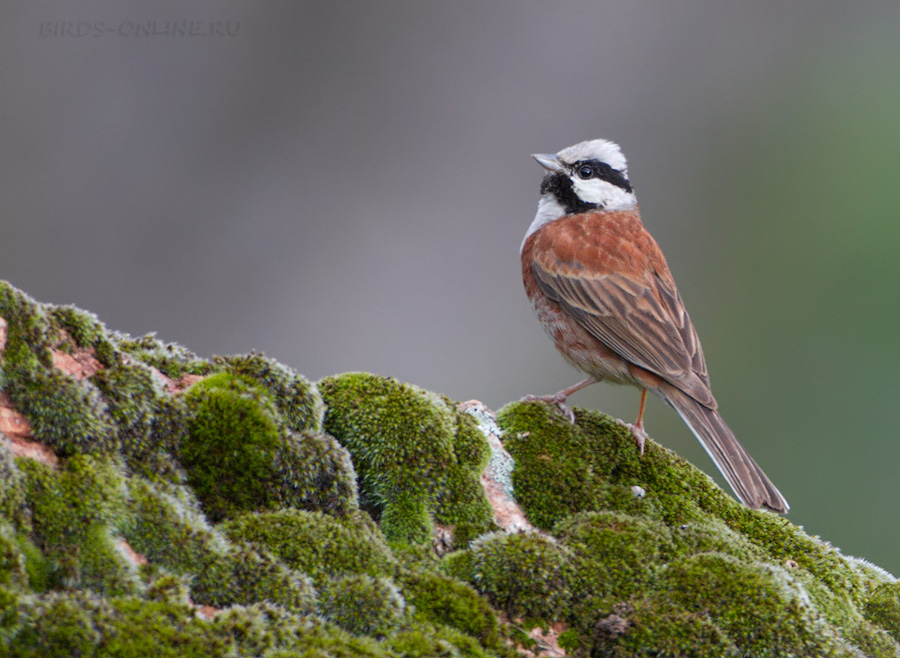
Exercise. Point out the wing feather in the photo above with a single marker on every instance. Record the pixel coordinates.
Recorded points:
(640, 317)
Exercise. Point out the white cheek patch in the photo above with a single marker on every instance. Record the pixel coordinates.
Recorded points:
(604, 194)
(549, 210)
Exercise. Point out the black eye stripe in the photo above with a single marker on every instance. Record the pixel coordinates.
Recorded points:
(604, 172)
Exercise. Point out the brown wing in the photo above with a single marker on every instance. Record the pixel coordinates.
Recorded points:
(625, 298)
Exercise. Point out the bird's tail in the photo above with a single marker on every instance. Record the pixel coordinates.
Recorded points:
(746, 478)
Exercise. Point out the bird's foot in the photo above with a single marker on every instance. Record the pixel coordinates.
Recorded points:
(559, 398)
(556, 399)
(637, 431)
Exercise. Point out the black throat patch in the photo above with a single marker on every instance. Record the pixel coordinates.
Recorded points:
(559, 185)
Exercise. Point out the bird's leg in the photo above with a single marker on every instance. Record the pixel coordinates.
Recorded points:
(637, 427)
(559, 399)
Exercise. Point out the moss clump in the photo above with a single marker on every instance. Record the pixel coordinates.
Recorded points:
(404, 444)
(170, 531)
(363, 605)
(82, 327)
(133, 396)
(172, 360)
(232, 440)
(244, 576)
(442, 600)
(613, 555)
(13, 571)
(748, 603)
(525, 575)
(239, 455)
(81, 624)
(69, 416)
(13, 506)
(297, 568)
(77, 512)
(296, 398)
(27, 327)
(630, 629)
(316, 544)
(315, 472)
(882, 607)
(563, 468)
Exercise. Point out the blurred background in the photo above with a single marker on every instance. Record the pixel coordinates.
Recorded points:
(345, 186)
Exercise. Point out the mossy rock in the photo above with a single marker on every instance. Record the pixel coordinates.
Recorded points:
(166, 504)
(240, 454)
(316, 544)
(418, 458)
(363, 605)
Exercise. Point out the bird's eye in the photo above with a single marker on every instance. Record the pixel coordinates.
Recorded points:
(585, 171)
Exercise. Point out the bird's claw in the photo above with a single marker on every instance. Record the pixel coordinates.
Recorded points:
(556, 400)
(637, 431)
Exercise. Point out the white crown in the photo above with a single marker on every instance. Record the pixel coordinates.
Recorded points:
(596, 149)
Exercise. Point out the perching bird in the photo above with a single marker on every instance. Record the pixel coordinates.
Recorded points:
(601, 287)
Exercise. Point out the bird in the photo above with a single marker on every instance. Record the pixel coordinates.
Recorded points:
(603, 292)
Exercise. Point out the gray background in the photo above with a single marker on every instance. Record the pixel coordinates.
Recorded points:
(345, 185)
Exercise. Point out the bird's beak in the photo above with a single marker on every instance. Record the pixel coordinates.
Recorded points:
(548, 161)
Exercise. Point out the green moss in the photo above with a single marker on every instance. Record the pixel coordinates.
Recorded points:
(170, 531)
(679, 568)
(69, 416)
(748, 604)
(442, 600)
(36, 565)
(613, 555)
(232, 440)
(882, 607)
(64, 625)
(132, 395)
(84, 328)
(425, 641)
(871, 641)
(461, 502)
(170, 589)
(525, 575)
(13, 573)
(415, 457)
(13, 505)
(296, 398)
(10, 606)
(239, 456)
(460, 565)
(315, 472)
(171, 359)
(243, 576)
(155, 458)
(27, 325)
(709, 534)
(76, 513)
(313, 543)
(562, 468)
(643, 627)
(363, 605)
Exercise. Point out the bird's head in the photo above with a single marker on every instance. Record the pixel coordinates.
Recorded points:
(591, 175)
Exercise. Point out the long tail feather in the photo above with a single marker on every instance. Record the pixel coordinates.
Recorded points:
(746, 478)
